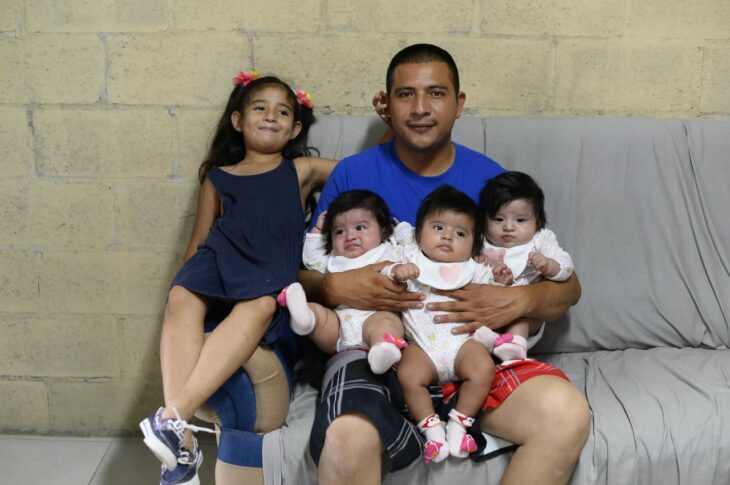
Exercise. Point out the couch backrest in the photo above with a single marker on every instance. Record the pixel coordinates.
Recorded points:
(639, 203)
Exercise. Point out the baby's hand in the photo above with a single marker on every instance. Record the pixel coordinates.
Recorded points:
(404, 272)
(317, 229)
(539, 262)
(502, 274)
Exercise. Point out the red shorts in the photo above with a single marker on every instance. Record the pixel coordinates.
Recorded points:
(509, 377)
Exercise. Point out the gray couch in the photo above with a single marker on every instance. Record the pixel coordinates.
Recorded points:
(641, 205)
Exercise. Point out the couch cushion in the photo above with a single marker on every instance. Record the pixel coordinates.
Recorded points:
(659, 415)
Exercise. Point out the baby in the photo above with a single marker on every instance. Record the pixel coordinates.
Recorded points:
(354, 232)
(519, 249)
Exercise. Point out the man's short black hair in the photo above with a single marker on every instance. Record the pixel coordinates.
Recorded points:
(420, 53)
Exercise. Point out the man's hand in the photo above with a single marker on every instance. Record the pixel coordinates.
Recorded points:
(477, 305)
(367, 289)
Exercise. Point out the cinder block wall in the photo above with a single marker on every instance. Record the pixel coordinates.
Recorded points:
(106, 107)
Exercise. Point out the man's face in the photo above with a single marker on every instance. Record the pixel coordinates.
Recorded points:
(423, 106)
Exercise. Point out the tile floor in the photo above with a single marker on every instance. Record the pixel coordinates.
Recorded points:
(43, 460)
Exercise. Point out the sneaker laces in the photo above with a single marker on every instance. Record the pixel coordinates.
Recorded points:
(179, 425)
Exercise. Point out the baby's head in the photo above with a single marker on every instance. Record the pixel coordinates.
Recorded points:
(512, 207)
(447, 226)
(356, 222)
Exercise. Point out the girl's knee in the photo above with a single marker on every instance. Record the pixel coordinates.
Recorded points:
(180, 298)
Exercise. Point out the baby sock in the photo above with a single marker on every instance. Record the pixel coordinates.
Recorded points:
(485, 336)
(510, 347)
(382, 356)
(436, 448)
(460, 443)
(302, 318)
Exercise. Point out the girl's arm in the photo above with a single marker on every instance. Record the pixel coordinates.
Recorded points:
(313, 172)
(209, 209)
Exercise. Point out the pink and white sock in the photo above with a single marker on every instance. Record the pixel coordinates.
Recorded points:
(510, 347)
(485, 336)
(460, 443)
(436, 448)
(302, 318)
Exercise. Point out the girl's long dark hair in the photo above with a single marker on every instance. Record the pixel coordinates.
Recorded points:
(227, 146)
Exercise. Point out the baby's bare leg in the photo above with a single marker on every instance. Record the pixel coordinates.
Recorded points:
(416, 372)
(476, 368)
(383, 333)
(326, 328)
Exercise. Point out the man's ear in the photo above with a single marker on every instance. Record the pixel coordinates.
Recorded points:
(236, 121)
(460, 100)
(296, 129)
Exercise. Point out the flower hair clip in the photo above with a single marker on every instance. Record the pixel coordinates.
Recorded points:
(304, 98)
(243, 78)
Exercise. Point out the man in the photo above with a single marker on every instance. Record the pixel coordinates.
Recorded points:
(545, 415)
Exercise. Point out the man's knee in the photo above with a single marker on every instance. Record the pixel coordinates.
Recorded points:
(349, 439)
(565, 411)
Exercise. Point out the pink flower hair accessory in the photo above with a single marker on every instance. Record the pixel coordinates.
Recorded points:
(243, 78)
(304, 98)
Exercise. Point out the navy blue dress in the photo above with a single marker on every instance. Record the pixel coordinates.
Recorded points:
(255, 247)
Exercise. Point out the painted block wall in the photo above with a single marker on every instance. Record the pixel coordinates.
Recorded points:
(106, 107)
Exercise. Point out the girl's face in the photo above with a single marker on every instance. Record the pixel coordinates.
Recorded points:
(267, 122)
(513, 225)
(447, 236)
(355, 232)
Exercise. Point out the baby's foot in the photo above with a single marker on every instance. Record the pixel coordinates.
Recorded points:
(382, 356)
(302, 318)
(510, 347)
(485, 336)
(436, 448)
(460, 443)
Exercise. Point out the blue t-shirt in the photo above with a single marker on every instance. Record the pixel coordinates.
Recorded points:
(379, 170)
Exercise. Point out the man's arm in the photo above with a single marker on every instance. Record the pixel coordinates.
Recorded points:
(364, 288)
(496, 306)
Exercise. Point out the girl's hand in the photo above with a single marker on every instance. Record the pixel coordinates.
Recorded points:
(404, 272)
(317, 229)
(367, 289)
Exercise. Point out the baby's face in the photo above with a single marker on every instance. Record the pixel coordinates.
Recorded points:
(513, 225)
(447, 236)
(355, 232)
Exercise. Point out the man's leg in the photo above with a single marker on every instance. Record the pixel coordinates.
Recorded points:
(549, 418)
(352, 453)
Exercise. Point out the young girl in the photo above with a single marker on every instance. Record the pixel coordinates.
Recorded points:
(248, 235)
(447, 235)
(519, 249)
(354, 232)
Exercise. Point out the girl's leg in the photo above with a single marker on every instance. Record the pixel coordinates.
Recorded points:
(475, 367)
(383, 332)
(415, 373)
(326, 332)
(181, 339)
(226, 349)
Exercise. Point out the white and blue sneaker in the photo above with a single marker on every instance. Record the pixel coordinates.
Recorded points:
(186, 472)
(164, 437)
